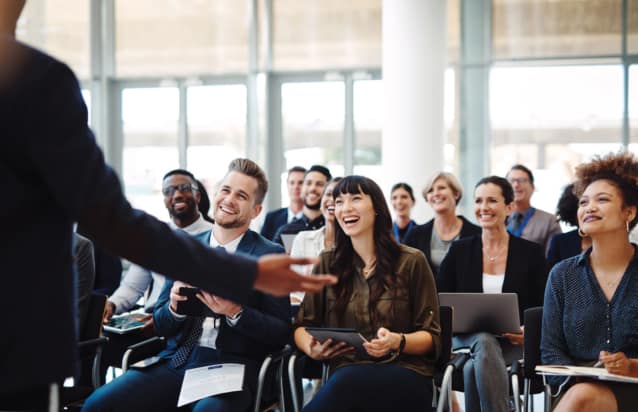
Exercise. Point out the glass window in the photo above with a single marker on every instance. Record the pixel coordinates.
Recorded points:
(551, 119)
(216, 130)
(632, 26)
(150, 121)
(326, 34)
(60, 28)
(312, 125)
(545, 28)
(633, 103)
(186, 37)
(368, 123)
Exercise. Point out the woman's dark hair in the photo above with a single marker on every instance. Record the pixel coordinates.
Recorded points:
(404, 186)
(204, 202)
(567, 207)
(506, 187)
(620, 169)
(386, 248)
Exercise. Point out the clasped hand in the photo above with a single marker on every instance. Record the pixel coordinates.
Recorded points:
(383, 344)
(617, 363)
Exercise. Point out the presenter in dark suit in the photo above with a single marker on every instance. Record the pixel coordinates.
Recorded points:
(277, 218)
(493, 262)
(230, 332)
(56, 175)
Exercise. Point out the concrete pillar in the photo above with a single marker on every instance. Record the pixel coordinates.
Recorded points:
(414, 61)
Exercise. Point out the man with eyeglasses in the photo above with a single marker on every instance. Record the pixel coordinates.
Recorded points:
(56, 175)
(526, 221)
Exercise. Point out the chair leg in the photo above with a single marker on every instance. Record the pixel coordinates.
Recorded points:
(548, 398)
(526, 395)
(446, 390)
(516, 393)
(292, 381)
(260, 381)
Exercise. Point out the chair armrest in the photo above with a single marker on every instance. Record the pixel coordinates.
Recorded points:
(274, 359)
(142, 350)
(88, 347)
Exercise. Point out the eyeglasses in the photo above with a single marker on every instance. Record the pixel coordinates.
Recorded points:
(519, 180)
(184, 187)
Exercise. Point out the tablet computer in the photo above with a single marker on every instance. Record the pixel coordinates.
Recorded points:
(350, 336)
(126, 323)
(495, 313)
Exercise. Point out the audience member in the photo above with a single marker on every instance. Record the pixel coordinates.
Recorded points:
(85, 266)
(443, 193)
(402, 199)
(183, 199)
(229, 333)
(277, 218)
(314, 181)
(312, 242)
(387, 293)
(568, 244)
(526, 221)
(492, 262)
(591, 300)
(204, 201)
(56, 175)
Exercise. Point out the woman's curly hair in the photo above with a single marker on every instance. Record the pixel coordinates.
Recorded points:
(620, 169)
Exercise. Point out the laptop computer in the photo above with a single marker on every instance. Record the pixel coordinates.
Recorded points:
(495, 313)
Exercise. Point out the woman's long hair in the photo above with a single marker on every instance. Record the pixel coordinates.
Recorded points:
(386, 249)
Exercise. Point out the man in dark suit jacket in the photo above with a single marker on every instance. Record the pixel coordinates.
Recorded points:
(56, 175)
(277, 218)
(228, 333)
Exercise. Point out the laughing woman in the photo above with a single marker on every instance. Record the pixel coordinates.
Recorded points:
(386, 292)
(591, 300)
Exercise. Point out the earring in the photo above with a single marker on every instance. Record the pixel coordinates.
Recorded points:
(581, 233)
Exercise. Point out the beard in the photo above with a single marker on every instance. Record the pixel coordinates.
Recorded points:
(316, 206)
(190, 212)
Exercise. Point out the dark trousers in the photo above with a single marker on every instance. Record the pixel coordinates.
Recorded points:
(385, 387)
(33, 398)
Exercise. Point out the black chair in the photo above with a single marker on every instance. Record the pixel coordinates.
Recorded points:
(90, 349)
(270, 377)
(452, 377)
(445, 316)
(532, 382)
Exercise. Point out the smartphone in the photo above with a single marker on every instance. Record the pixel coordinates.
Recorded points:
(192, 306)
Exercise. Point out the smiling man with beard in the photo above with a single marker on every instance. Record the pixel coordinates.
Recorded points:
(228, 332)
(314, 182)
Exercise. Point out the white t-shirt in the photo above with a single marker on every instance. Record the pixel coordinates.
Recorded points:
(493, 283)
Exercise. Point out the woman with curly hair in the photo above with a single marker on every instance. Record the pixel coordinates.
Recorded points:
(386, 292)
(591, 300)
(565, 245)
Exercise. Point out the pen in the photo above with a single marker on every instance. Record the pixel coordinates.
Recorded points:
(623, 348)
(214, 367)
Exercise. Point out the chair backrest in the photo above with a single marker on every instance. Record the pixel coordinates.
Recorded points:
(533, 320)
(445, 315)
(92, 327)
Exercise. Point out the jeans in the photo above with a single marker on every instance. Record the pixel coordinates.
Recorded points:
(485, 374)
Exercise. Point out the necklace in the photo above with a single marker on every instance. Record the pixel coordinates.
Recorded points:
(492, 258)
(370, 268)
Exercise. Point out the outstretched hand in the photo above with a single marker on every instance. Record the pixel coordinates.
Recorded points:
(275, 276)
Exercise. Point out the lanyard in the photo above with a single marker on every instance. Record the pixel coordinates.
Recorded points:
(395, 229)
(519, 229)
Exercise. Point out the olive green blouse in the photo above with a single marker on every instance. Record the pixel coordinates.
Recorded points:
(409, 307)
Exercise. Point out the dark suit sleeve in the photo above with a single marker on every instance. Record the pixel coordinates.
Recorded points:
(538, 276)
(266, 229)
(411, 238)
(553, 254)
(62, 149)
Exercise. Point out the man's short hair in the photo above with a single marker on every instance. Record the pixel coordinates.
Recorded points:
(296, 169)
(321, 169)
(252, 169)
(525, 169)
(182, 172)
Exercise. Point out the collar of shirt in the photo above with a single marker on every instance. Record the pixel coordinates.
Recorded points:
(198, 226)
(230, 247)
(583, 258)
(292, 215)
